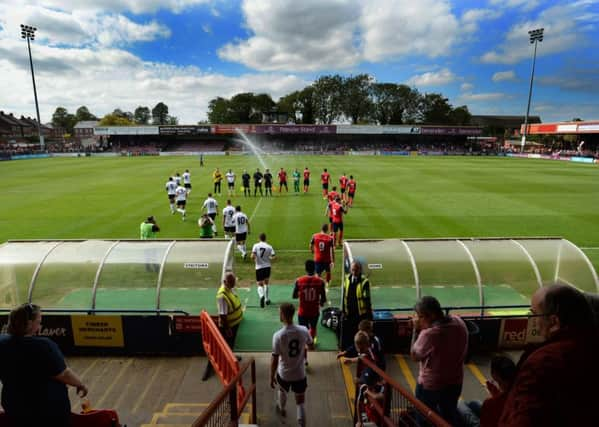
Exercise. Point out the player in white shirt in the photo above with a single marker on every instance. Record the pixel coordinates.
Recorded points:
(230, 182)
(181, 196)
(242, 229)
(177, 179)
(187, 180)
(228, 222)
(262, 254)
(211, 206)
(171, 189)
(287, 368)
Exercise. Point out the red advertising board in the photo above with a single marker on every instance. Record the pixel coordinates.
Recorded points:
(450, 130)
(232, 129)
(296, 129)
(518, 331)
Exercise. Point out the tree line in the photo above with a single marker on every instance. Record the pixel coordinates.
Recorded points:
(333, 98)
(159, 115)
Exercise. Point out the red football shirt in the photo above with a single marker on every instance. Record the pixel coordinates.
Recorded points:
(324, 177)
(351, 186)
(337, 212)
(311, 292)
(306, 174)
(282, 176)
(323, 246)
(343, 181)
(332, 195)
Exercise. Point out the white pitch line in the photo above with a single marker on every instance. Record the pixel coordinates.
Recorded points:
(255, 210)
(590, 248)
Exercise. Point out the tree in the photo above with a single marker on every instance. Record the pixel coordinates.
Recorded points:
(299, 105)
(172, 120)
(394, 104)
(83, 114)
(142, 115)
(460, 116)
(160, 114)
(327, 98)
(218, 110)
(435, 109)
(123, 114)
(63, 119)
(115, 120)
(357, 104)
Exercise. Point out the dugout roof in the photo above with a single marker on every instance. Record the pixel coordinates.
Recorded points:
(110, 274)
(475, 272)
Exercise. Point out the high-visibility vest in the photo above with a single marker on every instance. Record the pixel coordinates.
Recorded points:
(234, 311)
(362, 308)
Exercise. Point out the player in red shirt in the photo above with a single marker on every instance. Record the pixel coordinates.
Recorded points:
(333, 194)
(283, 180)
(306, 179)
(322, 246)
(337, 211)
(310, 289)
(324, 179)
(351, 191)
(343, 180)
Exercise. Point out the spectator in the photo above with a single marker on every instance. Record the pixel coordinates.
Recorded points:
(229, 309)
(350, 354)
(440, 348)
(475, 414)
(356, 303)
(34, 374)
(206, 225)
(556, 384)
(148, 229)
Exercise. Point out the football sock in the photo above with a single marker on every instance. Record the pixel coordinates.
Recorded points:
(266, 291)
(282, 398)
(260, 291)
(301, 412)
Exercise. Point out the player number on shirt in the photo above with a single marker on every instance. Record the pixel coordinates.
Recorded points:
(321, 246)
(309, 294)
(241, 220)
(294, 348)
(262, 250)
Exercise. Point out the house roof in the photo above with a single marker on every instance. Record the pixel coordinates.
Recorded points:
(86, 124)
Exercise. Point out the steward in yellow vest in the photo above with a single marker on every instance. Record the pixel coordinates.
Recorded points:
(229, 309)
(356, 303)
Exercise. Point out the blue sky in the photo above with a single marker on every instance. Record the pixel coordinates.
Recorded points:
(124, 53)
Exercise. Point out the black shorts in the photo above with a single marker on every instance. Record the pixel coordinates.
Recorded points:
(229, 229)
(283, 183)
(262, 274)
(246, 184)
(306, 182)
(240, 237)
(350, 195)
(308, 322)
(181, 203)
(231, 184)
(268, 185)
(325, 186)
(337, 226)
(187, 185)
(212, 215)
(298, 387)
(319, 267)
(171, 197)
(342, 190)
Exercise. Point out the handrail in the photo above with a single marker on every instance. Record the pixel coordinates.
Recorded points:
(229, 394)
(94, 311)
(431, 416)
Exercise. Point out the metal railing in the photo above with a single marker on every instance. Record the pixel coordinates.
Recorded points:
(224, 411)
(398, 406)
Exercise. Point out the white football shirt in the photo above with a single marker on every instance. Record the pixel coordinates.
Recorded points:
(171, 187)
(230, 177)
(228, 213)
(288, 343)
(210, 205)
(241, 222)
(181, 193)
(186, 178)
(263, 252)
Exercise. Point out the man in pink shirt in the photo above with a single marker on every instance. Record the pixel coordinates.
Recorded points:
(440, 349)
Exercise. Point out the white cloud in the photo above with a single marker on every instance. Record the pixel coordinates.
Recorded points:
(78, 28)
(432, 78)
(524, 4)
(466, 87)
(314, 35)
(105, 79)
(207, 28)
(135, 6)
(478, 97)
(471, 18)
(504, 76)
(562, 31)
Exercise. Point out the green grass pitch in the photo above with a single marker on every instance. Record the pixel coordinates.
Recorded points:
(65, 198)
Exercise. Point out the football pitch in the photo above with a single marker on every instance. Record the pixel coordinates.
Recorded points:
(396, 197)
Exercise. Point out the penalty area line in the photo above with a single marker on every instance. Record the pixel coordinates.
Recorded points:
(255, 210)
